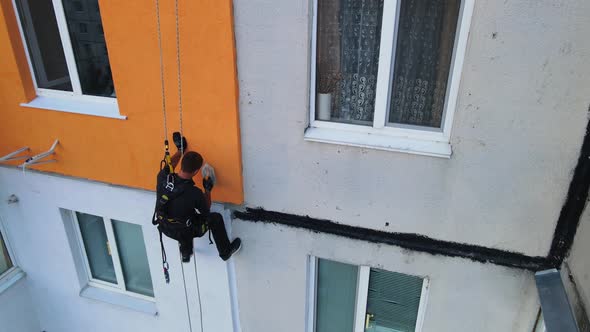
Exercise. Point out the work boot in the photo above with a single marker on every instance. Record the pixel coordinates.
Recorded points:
(176, 139)
(235, 246)
(186, 258)
(185, 252)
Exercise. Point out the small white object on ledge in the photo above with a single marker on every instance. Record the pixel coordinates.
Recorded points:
(324, 106)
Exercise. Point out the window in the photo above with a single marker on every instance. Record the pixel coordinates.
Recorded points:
(114, 254)
(10, 273)
(385, 73)
(349, 298)
(5, 261)
(59, 45)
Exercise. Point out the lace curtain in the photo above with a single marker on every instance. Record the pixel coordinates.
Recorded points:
(348, 55)
(423, 57)
(349, 33)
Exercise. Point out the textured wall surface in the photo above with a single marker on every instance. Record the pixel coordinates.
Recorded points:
(39, 238)
(579, 259)
(17, 312)
(463, 296)
(519, 124)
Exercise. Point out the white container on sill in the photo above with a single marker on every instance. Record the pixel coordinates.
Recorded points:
(324, 106)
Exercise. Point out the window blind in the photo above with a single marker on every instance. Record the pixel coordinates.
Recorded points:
(393, 300)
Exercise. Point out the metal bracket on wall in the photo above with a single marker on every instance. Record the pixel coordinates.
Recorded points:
(37, 159)
(15, 155)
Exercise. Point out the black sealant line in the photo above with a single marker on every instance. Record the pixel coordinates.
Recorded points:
(563, 237)
(404, 240)
(571, 212)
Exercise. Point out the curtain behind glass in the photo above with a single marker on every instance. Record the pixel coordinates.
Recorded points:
(336, 296)
(348, 40)
(425, 42)
(5, 262)
(95, 241)
(393, 300)
(133, 256)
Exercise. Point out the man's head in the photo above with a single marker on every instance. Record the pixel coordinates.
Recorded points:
(191, 163)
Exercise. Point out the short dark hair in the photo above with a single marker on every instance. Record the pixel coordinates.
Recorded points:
(191, 162)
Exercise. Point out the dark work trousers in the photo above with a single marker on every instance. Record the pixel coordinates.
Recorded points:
(217, 229)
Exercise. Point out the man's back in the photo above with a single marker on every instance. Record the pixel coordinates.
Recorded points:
(189, 197)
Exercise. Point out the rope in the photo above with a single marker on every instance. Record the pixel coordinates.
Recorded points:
(188, 311)
(179, 75)
(161, 69)
(181, 135)
(198, 291)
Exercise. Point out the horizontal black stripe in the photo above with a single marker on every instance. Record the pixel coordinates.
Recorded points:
(403, 240)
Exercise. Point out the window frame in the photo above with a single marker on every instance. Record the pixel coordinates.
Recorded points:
(362, 290)
(14, 273)
(74, 101)
(14, 267)
(382, 134)
(120, 287)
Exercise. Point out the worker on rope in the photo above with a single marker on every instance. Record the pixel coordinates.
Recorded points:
(183, 210)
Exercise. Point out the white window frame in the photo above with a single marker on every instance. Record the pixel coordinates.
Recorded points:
(66, 101)
(14, 273)
(114, 251)
(382, 135)
(4, 238)
(362, 290)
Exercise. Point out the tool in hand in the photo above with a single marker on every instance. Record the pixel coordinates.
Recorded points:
(208, 177)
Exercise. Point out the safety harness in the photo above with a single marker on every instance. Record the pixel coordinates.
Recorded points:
(173, 227)
(168, 224)
(160, 217)
(169, 193)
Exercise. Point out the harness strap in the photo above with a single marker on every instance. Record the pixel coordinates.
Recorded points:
(165, 265)
(167, 160)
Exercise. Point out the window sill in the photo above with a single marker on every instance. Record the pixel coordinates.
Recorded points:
(10, 278)
(118, 299)
(379, 142)
(78, 106)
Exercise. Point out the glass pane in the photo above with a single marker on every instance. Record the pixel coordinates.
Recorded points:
(97, 248)
(90, 50)
(425, 41)
(336, 296)
(393, 301)
(5, 262)
(348, 38)
(44, 44)
(133, 256)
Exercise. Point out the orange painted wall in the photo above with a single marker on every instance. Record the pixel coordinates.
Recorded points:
(127, 152)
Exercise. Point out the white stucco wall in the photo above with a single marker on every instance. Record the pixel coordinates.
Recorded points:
(39, 238)
(17, 311)
(464, 296)
(579, 259)
(520, 120)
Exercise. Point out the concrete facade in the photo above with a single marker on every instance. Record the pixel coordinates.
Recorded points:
(17, 311)
(579, 261)
(521, 117)
(40, 239)
(519, 124)
(463, 295)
